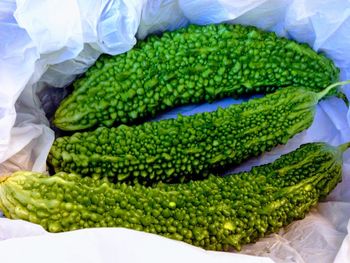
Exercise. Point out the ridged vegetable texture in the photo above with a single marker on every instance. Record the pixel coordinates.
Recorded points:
(216, 213)
(187, 146)
(190, 65)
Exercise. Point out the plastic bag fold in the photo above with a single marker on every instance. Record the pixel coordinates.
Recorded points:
(46, 44)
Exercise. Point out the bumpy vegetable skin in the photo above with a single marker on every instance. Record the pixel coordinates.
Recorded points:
(174, 149)
(216, 213)
(190, 65)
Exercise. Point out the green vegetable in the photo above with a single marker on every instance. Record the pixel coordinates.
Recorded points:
(216, 213)
(190, 65)
(188, 146)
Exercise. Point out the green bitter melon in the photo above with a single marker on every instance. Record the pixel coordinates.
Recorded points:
(190, 65)
(174, 149)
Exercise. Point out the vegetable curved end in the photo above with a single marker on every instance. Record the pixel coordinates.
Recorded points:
(343, 97)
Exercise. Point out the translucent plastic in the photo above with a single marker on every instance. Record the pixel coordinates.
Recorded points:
(49, 43)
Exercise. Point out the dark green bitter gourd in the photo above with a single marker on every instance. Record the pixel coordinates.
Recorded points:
(173, 149)
(217, 213)
(190, 65)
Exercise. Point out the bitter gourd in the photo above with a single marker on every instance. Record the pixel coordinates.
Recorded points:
(190, 65)
(189, 145)
(216, 213)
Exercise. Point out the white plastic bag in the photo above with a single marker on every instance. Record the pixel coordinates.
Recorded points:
(111, 245)
(49, 42)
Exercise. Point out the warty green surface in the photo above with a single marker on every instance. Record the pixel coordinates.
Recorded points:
(174, 149)
(217, 213)
(190, 65)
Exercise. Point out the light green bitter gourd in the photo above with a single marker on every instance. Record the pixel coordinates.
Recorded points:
(216, 213)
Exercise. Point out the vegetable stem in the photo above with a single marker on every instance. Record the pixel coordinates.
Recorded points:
(3, 178)
(343, 147)
(324, 92)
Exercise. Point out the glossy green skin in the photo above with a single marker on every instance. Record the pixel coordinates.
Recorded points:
(188, 146)
(190, 65)
(217, 213)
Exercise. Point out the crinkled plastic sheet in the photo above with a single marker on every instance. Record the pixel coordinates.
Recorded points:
(45, 45)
